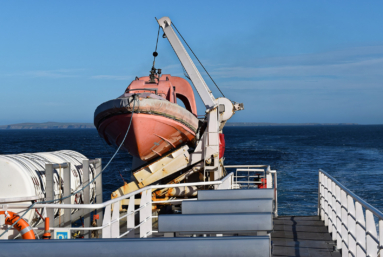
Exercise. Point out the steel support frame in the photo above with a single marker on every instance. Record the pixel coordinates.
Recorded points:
(50, 191)
(68, 217)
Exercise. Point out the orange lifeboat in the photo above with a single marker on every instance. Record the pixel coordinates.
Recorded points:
(159, 124)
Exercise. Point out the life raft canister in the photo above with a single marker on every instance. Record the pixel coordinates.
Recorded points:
(22, 226)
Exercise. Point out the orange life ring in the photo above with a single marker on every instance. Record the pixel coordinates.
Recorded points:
(22, 226)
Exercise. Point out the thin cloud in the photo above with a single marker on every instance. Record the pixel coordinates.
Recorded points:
(59, 73)
(112, 77)
(355, 68)
(358, 68)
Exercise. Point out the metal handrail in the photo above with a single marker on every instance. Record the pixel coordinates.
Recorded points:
(263, 171)
(110, 221)
(245, 166)
(123, 197)
(111, 218)
(353, 228)
(366, 205)
(146, 202)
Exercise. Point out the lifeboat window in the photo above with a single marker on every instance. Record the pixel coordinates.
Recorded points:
(181, 103)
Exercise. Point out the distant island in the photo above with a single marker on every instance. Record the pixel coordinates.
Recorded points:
(264, 124)
(61, 125)
(49, 125)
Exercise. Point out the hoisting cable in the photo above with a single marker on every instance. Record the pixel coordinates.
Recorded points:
(197, 59)
(155, 54)
(65, 197)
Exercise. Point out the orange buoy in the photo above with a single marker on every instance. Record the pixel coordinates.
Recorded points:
(22, 226)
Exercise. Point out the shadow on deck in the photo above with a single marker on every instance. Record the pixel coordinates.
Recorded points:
(301, 236)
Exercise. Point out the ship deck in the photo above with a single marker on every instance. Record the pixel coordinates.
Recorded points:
(301, 236)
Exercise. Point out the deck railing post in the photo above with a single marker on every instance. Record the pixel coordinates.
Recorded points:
(351, 221)
(323, 201)
(98, 169)
(380, 237)
(360, 231)
(232, 181)
(148, 210)
(142, 214)
(326, 203)
(115, 226)
(86, 195)
(344, 215)
(67, 191)
(276, 193)
(338, 218)
(319, 194)
(49, 190)
(372, 245)
(106, 222)
(330, 219)
(130, 218)
(320, 197)
(334, 228)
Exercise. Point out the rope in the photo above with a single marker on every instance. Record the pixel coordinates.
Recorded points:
(65, 197)
(155, 51)
(198, 59)
(158, 34)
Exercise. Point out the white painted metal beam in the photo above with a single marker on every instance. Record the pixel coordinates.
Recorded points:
(196, 78)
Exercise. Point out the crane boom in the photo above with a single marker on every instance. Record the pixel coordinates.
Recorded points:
(218, 111)
(196, 78)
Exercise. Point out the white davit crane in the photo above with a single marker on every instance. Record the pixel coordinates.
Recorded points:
(218, 110)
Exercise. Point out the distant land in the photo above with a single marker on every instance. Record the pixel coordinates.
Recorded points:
(264, 124)
(60, 125)
(49, 125)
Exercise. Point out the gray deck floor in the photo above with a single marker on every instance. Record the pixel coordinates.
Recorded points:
(301, 236)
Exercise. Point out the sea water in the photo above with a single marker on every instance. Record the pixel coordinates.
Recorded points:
(352, 154)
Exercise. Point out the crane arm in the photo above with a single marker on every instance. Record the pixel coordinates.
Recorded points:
(196, 78)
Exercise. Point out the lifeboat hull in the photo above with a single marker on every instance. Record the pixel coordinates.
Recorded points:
(157, 126)
(149, 136)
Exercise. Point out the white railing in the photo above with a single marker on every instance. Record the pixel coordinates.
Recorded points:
(350, 219)
(249, 176)
(111, 221)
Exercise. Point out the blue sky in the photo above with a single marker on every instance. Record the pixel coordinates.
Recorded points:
(287, 61)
